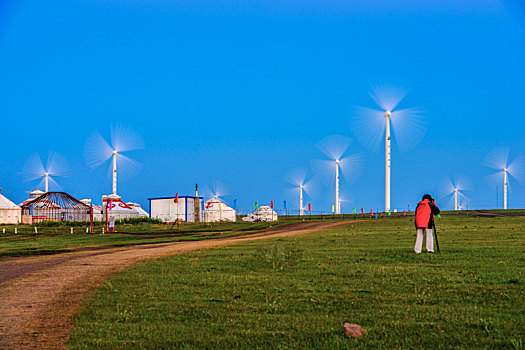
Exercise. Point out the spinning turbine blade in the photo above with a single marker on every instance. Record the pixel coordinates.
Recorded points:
(517, 168)
(408, 127)
(34, 168)
(96, 150)
(498, 158)
(57, 165)
(368, 126)
(352, 167)
(124, 139)
(334, 146)
(387, 97)
(297, 176)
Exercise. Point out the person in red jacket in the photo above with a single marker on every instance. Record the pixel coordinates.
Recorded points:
(425, 211)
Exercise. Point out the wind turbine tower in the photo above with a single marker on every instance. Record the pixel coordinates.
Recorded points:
(388, 114)
(455, 199)
(505, 185)
(337, 204)
(114, 153)
(301, 208)
(47, 182)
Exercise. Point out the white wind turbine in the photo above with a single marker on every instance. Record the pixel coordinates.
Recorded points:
(499, 159)
(457, 188)
(334, 147)
(56, 166)
(98, 150)
(368, 125)
(297, 177)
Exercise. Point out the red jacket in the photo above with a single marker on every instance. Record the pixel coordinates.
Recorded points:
(425, 212)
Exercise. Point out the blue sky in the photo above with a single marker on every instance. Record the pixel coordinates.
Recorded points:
(242, 91)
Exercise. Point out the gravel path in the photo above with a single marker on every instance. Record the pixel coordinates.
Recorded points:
(39, 295)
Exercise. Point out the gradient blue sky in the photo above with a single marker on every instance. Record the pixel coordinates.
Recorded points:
(242, 91)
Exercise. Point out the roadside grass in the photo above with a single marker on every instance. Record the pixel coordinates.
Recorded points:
(297, 292)
(59, 239)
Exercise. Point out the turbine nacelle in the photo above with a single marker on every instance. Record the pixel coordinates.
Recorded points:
(388, 114)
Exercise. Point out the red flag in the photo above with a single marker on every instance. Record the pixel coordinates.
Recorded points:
(271, 204)
(177, 197)
(362, 211)
(309, 206)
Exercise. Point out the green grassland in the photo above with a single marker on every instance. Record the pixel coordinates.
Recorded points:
(58, 238)
(297, 292)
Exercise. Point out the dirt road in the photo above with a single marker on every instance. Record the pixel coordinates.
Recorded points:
(39, 295)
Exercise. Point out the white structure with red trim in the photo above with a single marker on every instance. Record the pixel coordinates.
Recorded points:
(119, 210)
(216, 210)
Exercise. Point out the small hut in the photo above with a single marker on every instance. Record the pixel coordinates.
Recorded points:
(263, 213)
(216, 210)
(10, 213)
(54, 206)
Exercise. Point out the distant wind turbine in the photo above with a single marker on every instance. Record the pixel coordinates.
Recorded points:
(334, 147)
(499, 159)
(297, 177)
(56, 166)
(98, 150)
(456, 187)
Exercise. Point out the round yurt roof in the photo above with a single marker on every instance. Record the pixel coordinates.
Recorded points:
(216, 204)
(265, 209)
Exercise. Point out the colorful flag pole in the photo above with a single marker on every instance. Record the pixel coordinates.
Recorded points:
(271, 204)
(256, 205)
(309, 206)
(333, 209)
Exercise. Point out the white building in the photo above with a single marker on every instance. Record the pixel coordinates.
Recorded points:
(263, 213)
(187, 209)
(10, 213)
(216, 210)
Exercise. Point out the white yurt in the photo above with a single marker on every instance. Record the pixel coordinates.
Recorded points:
(10, 213)
(120, 210)
(216, 210)
(263, 213)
